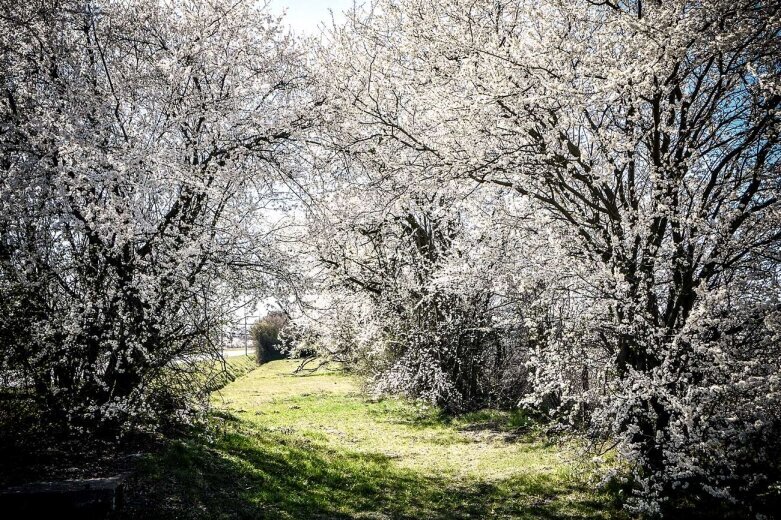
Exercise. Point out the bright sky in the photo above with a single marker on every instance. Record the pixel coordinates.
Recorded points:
(304, 16)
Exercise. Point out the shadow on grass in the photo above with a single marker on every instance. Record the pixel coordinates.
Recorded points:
(250, 473)
(511, 422)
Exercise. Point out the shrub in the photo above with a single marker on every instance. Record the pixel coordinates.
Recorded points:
(265, 334)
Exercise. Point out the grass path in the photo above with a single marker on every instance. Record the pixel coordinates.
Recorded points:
(312, 446)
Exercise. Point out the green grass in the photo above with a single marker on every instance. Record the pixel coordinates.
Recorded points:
(232, 369)
(313, 446)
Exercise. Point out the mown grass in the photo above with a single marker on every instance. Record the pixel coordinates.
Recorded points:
(313, 446)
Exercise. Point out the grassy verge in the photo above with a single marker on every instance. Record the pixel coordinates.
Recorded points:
(286, 446)
(232, 369)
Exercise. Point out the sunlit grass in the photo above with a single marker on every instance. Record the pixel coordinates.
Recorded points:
(313, 446)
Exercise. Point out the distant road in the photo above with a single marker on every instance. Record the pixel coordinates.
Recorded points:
(236, 352)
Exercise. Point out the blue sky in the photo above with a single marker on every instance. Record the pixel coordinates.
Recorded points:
(305, 15)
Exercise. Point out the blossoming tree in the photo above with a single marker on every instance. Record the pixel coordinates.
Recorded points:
(140, 143)
(646, 137)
